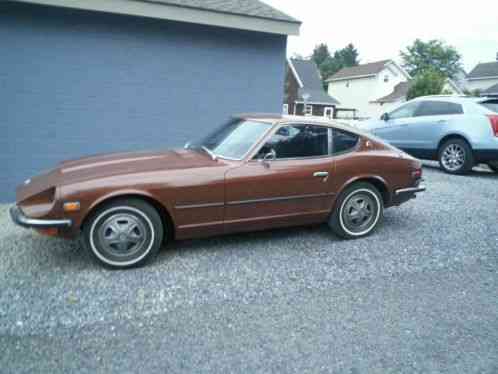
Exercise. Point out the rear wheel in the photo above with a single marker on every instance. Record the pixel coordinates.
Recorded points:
(124, 233)
(358, 211)
(493, 165)
(455, 156)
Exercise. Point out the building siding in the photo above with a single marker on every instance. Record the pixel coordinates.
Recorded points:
(74, 83)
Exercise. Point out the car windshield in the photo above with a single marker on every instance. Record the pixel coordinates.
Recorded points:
(233, 139)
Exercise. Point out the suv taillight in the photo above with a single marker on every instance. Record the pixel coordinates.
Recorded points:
(493, 118)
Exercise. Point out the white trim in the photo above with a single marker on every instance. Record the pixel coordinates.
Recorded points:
(285, 109)
(350, 77)
(483, 78)
(306, 107)
(455, 86)
(386, 65)
(399, 67)
(331, 111)
(294, 72)
(178, 13)
(314, 102)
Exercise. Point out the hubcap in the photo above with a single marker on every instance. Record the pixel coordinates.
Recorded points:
(453, 157)
(359, 212)
(122, 234)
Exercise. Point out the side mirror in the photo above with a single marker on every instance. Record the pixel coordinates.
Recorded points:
(270, 156)
(385, 117)
(187, 145)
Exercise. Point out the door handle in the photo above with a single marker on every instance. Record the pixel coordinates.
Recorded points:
(442, 121)
(321, 174)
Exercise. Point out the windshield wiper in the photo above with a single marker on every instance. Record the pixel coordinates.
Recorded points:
(209, 152)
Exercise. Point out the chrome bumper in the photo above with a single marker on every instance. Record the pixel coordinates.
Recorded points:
(19, 218)
(410, 190)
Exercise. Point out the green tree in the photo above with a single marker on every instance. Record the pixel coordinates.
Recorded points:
(434, 54)
(331, 64)
(320, 54)
(428, 82)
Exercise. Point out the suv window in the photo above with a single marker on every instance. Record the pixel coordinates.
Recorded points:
(297, 141)
(407, 110)
(491, 105)
(343, 141)
(438, 108)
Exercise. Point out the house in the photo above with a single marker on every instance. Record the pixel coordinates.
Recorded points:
(360, 86)
(483, 77)
(304, 93)
(84, 77)
(398, 95)
(491, 91)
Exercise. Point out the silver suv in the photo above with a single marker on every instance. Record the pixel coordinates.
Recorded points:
(458, 131)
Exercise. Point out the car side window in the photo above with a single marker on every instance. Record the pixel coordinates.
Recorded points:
(438, 108)
(343, 141)
(406, 111)
(297, 141)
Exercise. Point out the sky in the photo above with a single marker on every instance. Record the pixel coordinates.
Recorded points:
(380, 29)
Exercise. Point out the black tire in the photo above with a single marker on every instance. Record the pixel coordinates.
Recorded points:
(341, 221)
(493, 165)
(124, 233)
(455, 156)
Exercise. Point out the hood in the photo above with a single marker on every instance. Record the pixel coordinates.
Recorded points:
(107, 165)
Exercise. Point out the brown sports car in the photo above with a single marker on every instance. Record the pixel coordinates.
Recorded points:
(255, 172)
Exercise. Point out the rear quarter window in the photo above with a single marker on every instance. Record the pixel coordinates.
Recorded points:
(491, 105)
(343, 141)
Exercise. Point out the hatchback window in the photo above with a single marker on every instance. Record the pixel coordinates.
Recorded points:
(344, 141)
(406, 111)
(491, 105)
(297, 141)
(438, 108)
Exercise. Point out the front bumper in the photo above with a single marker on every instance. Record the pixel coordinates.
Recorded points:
(404, 194)
(19, 218)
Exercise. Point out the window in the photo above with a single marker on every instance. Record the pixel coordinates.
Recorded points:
(343, 141)
(438, 108)
(347, 83)
(297, 141)
(386, 78)
(406, 111)
(234, 139)
(492, 105)
(285, 109)
(308, 110)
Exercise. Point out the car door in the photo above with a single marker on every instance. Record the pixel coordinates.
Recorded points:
(395, 126)
(432, 119)
(291, 188)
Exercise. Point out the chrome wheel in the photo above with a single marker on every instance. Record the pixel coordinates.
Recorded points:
(122, 234)
(453, 157)
(360, 213)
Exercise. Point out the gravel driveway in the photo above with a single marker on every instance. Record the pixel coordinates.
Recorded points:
(419, 296)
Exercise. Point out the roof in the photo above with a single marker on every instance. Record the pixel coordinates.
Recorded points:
(253, 15)
(484, 70)
(253, 8)
(362, 70)
(308, 76)
(399, 92)
(493, 90)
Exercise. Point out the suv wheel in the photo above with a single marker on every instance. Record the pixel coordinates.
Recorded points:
(124, 233)
(455, 157)
(493, 165)
(358, 211)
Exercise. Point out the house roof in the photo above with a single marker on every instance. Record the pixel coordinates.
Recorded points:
(493, 90)
(253, 8)
(399, 92)
(484, 70)
(362, 70)
(253, 15)
(308, 76)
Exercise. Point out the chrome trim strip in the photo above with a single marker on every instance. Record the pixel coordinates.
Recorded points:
(283, 198)
(193, 206)
(19, 218)
(410, 190)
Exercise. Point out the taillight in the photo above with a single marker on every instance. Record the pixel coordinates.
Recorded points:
(493, 118)
(417, 173)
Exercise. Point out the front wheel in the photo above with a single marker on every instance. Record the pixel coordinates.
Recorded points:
(493, 165)
(358, 211)
(455, 157)
(124, 233)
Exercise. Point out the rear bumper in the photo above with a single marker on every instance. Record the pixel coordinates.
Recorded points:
(20, 219)
(404, 194)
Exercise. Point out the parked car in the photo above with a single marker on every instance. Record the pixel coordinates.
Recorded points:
(254, 172)
(459, 132)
